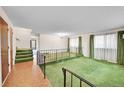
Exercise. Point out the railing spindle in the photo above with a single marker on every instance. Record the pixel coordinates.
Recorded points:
(56, 55)
(69, 52)
(64, 72)
(71, 80)
(44, 67)
(80, 83)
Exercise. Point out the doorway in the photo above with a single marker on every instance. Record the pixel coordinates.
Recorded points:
(4, 48)
(33, 44)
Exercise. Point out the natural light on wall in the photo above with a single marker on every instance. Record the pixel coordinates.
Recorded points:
(62, 34)
(73, 42)
(123, 36)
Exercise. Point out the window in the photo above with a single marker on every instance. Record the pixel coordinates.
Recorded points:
(105, 47)
(123, 36)
(74, 42)
(99, 41)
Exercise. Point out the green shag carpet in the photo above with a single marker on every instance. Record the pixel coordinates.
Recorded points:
(23, 55)
(99, 73)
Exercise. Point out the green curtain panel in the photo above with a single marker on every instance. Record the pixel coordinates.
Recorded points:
(91, 46)
(68, 47)
(80, 46)
(120, 48)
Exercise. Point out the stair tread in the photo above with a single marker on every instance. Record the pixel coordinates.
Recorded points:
(23, 49)
(24, 58)
(24, 55)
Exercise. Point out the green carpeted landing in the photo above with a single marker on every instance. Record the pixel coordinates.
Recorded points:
(101, 74)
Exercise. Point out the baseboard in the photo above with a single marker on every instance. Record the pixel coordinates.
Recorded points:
(5, 79)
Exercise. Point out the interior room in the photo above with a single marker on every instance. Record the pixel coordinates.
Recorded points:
(61, 46)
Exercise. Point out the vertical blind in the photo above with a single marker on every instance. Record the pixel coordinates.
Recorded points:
(105, 47)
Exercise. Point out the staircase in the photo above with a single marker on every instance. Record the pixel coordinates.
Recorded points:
(23, 55)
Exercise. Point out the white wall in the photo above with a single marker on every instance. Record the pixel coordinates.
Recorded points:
(5, 17)
(52, 42)
(85, 43)
(24, 36)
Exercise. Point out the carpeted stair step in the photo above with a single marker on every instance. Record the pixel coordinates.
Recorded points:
(23, 50)
(24, 56)
(24, 59)
(24, 53)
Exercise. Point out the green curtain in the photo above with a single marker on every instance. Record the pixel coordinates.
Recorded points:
(80, 46)
(68, 47)
(91, 46)
(120, 48)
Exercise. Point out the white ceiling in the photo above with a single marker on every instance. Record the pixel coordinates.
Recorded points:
(74, 19)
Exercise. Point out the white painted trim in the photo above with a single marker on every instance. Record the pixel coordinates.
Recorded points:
(5, 79)
(0, 73)
(0, 64)
(9, 59)
(105, 33)
(1, 77)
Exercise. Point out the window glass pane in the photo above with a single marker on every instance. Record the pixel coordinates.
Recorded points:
(105, 47)
(111, 41)
(99, 41)
(74, 42)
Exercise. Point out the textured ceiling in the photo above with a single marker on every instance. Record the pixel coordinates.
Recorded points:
(80, 19)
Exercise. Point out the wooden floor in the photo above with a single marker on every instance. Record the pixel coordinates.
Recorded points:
(26, 74)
